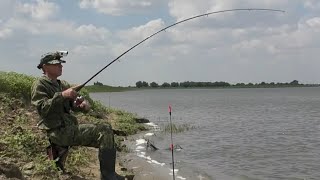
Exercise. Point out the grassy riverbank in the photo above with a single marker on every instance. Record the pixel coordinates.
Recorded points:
(106, 88)
(23, 145)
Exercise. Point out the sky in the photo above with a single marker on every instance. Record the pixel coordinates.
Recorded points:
(239, 46)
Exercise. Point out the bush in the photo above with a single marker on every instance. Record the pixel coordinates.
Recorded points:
(16, 85)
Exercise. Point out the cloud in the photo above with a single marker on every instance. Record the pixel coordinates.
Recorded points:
(181, 9)
(5, 33)
(312, 4)
(247, 33)
(7, 8)
(314, 23)
(185, 8)
(60, 29)
(92, 32)
(141, 32)
(39, 10)
(253, 45)
(120, 7)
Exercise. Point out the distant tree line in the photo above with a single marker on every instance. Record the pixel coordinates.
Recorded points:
(97, 83)
(187, 84)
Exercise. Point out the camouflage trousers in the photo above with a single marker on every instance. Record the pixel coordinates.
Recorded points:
(90, 135)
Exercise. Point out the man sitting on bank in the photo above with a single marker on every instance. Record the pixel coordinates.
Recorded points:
(55, 101)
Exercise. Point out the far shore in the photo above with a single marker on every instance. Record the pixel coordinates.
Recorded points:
(105, 88)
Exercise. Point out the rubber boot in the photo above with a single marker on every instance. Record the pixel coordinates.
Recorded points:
(107, 160)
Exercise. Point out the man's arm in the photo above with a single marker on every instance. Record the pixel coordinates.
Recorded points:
(42, 101)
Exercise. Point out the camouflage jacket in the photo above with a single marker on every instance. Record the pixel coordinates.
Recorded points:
(53, 108)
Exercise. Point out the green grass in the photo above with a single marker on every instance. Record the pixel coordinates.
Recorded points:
(16, 85)
(126, 121)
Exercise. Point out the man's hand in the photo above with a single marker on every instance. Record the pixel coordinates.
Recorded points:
(70, 93)
(85, 105)
(78, 87)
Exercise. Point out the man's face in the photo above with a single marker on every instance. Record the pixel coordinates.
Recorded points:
(54, 70)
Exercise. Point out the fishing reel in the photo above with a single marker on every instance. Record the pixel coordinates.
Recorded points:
(78, 100)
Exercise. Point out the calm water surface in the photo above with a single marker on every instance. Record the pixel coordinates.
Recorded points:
(239, 134)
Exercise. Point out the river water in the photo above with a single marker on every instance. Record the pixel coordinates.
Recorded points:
(267, 133)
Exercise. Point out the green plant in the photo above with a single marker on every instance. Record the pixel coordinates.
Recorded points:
(177, 128)
(78, 156)
(98, 107)
(126, 122)
(45, 168)
(21, 143)
(22, 119)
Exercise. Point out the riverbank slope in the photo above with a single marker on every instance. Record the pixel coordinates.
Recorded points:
(23, 145)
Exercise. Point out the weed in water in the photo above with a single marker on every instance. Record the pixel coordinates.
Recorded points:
(177, 128)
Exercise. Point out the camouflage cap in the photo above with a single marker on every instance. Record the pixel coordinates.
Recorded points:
(50, 58)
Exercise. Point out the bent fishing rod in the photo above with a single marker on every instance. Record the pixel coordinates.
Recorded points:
(78, 88)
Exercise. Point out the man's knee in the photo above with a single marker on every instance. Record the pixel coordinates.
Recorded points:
(105, 129)
(106, 136)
